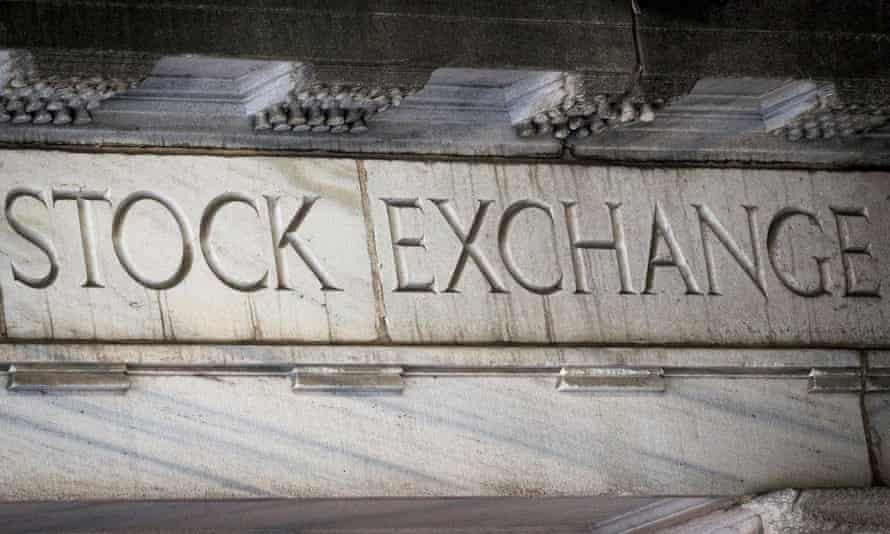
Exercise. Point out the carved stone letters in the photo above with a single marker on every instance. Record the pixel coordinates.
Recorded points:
(282, 237)
(665, 248)
(312, 250)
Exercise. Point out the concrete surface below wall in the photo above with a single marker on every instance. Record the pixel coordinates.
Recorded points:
(783, 512)
(331, 516)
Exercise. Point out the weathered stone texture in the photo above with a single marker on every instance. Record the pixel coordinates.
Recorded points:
(815, 511)
(476, 310)
(240, 436)
(533, 287)
(200, 306)
(346, 265)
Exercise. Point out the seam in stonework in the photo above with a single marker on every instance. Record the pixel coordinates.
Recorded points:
(3, 329)
(376, 282)
(874, 463)
(639, 53)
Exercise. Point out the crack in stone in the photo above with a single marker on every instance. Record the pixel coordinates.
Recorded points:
(640, 66)
(877, 478)
(377, 283)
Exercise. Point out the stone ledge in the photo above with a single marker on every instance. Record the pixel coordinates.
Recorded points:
(200, 103)
(814, 512)
(678, 361)
(480, 515)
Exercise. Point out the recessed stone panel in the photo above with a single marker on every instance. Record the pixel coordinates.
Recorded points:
(461, 252)
(579, 254)
(149, 274)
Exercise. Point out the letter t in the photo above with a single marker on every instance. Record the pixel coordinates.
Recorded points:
(87, 228)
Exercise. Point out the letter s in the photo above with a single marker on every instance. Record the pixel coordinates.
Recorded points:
(33, 237)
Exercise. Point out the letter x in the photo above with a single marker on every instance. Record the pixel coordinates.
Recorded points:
(469, 247)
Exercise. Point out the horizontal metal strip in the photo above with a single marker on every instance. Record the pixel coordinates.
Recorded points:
(478, 372)
(430, 358)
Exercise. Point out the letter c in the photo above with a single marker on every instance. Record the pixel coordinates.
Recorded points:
(210, 255)
(506, 224)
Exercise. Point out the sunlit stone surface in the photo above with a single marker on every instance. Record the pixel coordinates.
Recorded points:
(494, 434)
(313, 250)
(215, 327)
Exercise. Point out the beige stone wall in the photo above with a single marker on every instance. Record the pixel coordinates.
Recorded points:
(474, 329)
(704, 256)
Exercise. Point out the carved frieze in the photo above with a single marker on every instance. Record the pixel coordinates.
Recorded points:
(313, 250)
(205, 102)
(334, 109)
(838, 120)
(579, 119)
(29, 96)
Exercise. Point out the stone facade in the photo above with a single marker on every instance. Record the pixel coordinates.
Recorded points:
(240, 278)
(486, 315)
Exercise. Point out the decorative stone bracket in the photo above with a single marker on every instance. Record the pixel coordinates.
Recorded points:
(60, 378)
(349, 379)
(200, 93)
(835, 381)
(199, 101)
(610, 380)
(747, 104)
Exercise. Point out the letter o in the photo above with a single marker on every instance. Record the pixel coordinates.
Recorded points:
(123, 254)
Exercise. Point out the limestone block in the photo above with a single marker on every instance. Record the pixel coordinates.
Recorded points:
(261, 287)
(659, 255)
(558, 253)
(446, 434)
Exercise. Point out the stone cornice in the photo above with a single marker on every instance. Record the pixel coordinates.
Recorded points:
(196, 102)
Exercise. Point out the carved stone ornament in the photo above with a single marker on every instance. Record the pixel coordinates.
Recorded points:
(31, 98)
(199, 101)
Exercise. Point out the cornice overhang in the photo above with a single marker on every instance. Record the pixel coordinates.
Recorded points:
(200, 102)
